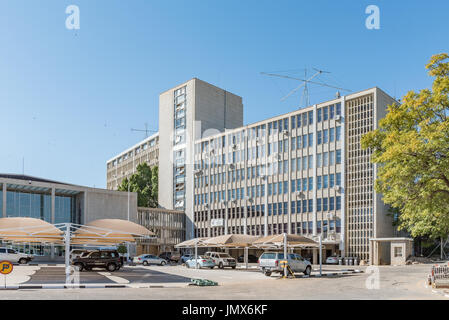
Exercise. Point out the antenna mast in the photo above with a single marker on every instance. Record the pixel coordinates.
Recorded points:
(305, 100)
(146, 130)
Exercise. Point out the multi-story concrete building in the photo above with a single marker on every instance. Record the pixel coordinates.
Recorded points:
(303, 173)
(188, 112)
(124, 164)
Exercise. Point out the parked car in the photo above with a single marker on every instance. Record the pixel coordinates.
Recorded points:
(13, 256)
(186, 257)
(222, 259)
(170, 256)
(202, 261)
(269, 262)
(251, 258)
(108, 259)
(332, 260)
(147, 259)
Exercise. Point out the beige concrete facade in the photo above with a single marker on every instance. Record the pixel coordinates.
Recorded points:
(239, 175)
(394, 251)
(188, 112)
(58, 202)
(168, 225)
(124, 164)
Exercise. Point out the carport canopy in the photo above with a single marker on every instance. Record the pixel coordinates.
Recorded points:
(231, 241)
(21, 229)
(109, 232)
(191, 243)
(293, 240)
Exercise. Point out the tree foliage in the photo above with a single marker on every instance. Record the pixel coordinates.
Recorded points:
(145, 183)
(411, 147)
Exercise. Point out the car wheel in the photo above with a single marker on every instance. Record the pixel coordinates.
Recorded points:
(233, 267)
(79, 267)
(211, 267)
(220, 265)
(23, 261)
(145, 263)
(163, 263)
(187, 265)
(88, 268)
(267, 273)
(308, 271)
(111, 267)
(198, 266)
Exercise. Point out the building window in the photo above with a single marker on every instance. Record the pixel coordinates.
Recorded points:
(397, 252)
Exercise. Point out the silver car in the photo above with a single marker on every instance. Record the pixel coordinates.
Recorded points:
(147, 259)
(270, 262)
(201, 261)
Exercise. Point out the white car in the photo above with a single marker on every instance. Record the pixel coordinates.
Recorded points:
(13, 256)
(332, 260)
(147, 259)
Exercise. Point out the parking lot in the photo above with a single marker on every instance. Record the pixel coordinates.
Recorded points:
(172, 282)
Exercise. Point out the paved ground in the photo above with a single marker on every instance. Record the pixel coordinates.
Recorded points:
(401, 282)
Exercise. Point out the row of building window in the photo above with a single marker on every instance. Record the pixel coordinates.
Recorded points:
(273, 229)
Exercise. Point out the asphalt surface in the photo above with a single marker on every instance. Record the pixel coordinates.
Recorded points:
(393, 283)
(56, 275)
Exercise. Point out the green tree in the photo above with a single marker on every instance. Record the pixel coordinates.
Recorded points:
(145, 183)
(122, 249)
(411, 147)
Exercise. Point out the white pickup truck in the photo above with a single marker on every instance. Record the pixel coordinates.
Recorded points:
(13, 256)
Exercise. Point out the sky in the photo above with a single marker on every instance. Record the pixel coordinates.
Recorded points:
(69, 98)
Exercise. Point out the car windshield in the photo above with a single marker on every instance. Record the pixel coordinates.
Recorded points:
(268, 255)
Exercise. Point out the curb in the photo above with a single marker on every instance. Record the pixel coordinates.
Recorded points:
(87, 286)
(332, 274)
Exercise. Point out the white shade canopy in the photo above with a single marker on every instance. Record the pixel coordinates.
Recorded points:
(110, 231)
(293, 240)
(191, 243)
(22, 229)
(231, 240)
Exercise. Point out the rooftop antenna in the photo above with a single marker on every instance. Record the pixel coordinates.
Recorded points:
(305, 100)
(146, 130)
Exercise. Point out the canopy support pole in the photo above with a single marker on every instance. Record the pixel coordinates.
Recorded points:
(196, 254)
(246, 257)
(321, 259)
(67, 252)
(285, 254)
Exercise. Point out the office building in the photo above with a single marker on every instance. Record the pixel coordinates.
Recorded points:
(303, 172)
(125, 164)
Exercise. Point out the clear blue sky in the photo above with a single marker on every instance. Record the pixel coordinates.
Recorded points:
(68, 99)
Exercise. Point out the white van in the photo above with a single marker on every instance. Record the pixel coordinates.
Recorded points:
(13, 256)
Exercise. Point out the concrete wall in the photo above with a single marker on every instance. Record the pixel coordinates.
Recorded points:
(405, 248)
(109, 205)
(383, 227)
(209, 110)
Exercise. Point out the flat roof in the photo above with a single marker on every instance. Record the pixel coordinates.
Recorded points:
(29, 178)
(134, 146)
